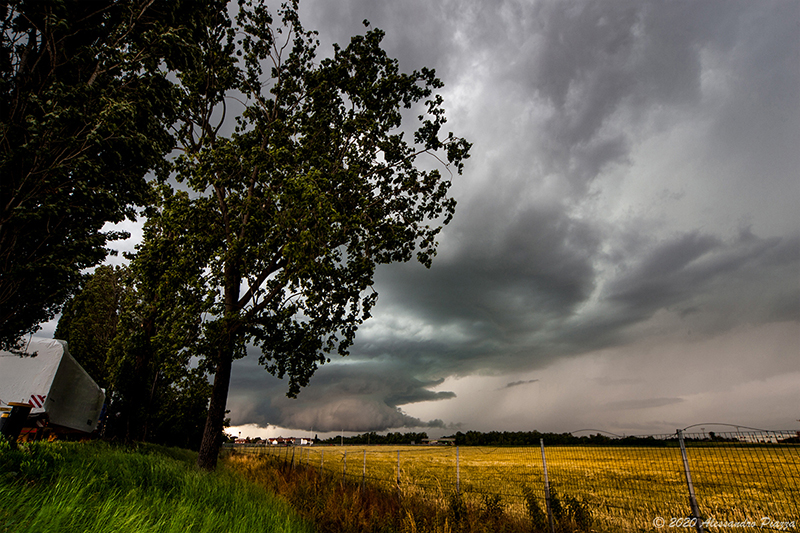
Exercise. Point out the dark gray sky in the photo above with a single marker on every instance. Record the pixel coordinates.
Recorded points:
(626, 249)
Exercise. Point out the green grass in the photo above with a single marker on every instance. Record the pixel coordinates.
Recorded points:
(97, 488)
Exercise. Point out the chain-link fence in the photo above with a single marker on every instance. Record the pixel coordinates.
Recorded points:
(738, 480)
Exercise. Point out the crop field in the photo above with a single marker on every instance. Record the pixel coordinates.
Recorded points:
(627, 488)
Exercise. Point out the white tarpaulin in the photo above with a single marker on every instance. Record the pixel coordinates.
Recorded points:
(53, 382)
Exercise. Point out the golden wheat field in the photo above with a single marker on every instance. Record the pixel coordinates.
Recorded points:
(626, 488)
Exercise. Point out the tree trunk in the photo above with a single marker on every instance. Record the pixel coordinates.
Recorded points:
(215, 421)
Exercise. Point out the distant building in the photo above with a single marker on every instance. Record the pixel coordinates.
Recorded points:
(290, 441)
(445, 441)
(758, 438)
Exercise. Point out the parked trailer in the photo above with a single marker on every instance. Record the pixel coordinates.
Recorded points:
(58, 389)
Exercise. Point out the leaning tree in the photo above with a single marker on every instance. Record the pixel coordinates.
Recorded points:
(314, 186)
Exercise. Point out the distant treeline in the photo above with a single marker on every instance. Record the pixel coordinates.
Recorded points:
(528, 438)
(374, 438)
(519, 438)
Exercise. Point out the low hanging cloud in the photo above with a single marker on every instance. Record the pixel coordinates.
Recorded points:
(518, 383)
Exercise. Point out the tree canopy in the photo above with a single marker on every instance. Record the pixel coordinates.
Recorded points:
(85, 111)
(89, 321)
(265, 230)
(315, 186)
(132, 330)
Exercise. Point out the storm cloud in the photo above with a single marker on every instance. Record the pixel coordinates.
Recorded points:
(360, 396)
(629, 211)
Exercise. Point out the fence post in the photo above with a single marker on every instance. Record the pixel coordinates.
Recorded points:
(692, 498)
(292, 465)
(364, 472)
(321, 461)
(458, 474)
(547, 490)
(344, 467)
(398, 470)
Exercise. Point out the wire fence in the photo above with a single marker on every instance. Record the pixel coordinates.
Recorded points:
(738, 480)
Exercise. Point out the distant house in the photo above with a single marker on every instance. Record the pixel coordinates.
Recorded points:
(445, 441)
(290, 441)
(758, 438)
(253, 442)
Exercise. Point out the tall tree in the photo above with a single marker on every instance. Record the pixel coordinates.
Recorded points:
(159, 393)
(314, 188)
(133, 329)
(85, 107)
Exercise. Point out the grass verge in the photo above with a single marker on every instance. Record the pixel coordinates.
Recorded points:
(97, 488)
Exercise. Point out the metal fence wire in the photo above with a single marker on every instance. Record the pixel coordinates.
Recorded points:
(737, 480)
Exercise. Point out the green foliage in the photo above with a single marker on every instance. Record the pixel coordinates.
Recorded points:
(580, 513)
(569, 515)
(160, 394)
(556, 507)
(126, 329)
(527, 438)
(27, 462)
(94, 487)
(85, 107)
(456, 510)
(492, 508)
(89, 321)
(537, 516)
(314, 188)
(374, 438)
